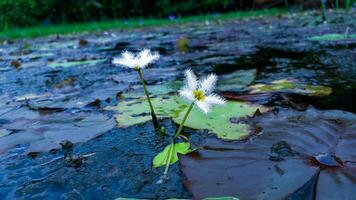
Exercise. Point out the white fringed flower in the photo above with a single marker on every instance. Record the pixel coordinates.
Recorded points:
(200, 92)
(140, 61)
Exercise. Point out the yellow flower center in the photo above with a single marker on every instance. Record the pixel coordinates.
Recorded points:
(137, 67)
(199, 95)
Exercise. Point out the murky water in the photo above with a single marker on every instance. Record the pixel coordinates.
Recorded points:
(276, 48)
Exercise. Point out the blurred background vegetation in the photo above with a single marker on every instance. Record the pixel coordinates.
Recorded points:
(25, 13)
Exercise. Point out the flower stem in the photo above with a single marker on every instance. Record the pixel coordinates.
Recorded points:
(153, 114)
(184, 119)
(171, 150)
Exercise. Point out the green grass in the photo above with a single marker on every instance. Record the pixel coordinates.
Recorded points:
(39, 31)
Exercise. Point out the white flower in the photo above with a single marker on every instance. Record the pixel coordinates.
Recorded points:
(141, 60)
(200, 92)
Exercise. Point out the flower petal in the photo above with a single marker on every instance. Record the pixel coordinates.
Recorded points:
(214, 99)
(192, 82)
(187, 93)
(127, 59)
(208, 84)
(145, 57)
(204, 106)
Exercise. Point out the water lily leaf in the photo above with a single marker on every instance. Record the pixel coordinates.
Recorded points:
(218, 121)
(296, 155)
(75, 63)
(290, 86)
(31, 96)
(4, 132)
(136, 111)
(221, 198)
(159, 89)
(45, 132)
(236, 81)
(162, 157)
(332, 37)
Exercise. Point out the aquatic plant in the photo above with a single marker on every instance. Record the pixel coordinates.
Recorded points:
(199, 93)
(323, 9)
(138, 62)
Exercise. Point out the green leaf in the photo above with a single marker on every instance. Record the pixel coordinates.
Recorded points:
(75, 63)
(332, 37)
(162, 157)
(218, 121)
(290, 86)
(236, 81)
(221, 198)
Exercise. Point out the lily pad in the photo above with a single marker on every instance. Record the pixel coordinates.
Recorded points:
(218, 121)
(332, 37)
(46, 131)
(155, 90)
(162, 157)
(288, 157)
(290, 86)
(236, 81)
(75, 63)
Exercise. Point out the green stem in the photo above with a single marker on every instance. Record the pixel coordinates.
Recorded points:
(168, 161)
(153, 114)
(184, 119)
(323, 7)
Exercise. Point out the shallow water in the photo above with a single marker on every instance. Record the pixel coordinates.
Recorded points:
(276, 47)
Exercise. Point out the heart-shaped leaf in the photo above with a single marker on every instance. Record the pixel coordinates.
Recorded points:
(290, 86)
(173, 149)
(296, 155)
(218, 121)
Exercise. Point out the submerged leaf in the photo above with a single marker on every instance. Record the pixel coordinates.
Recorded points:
(161, 158)
(277, 163)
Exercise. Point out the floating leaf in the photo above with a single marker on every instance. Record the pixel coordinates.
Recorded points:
(45, 132)
(290, 86)
(218, 121)
(75, 63)
(236, 81)
(221, 198)
(279, 162)
(161, 158)
(332, 37)
(31, 96)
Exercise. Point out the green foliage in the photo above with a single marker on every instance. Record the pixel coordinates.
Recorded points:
(332, 37)
(173, 149)
(75, 63)
(37, 31)
(218, 121)
(290, 86)
(221, 198)
(23, 12)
